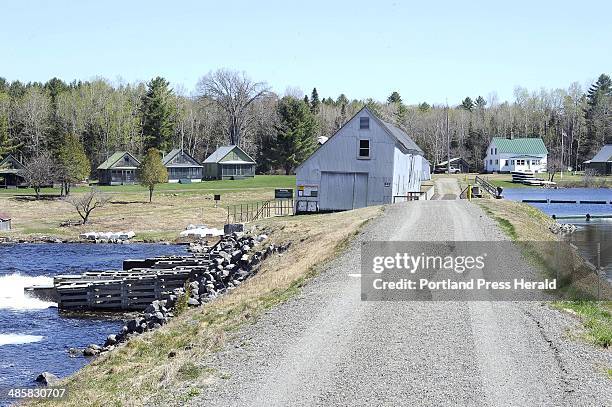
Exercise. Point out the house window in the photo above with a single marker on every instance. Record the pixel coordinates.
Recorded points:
(491, 162)
(364, 148)
(364, 122)
(496, 162)
(495, 150)
(511, 162)
(491, 151)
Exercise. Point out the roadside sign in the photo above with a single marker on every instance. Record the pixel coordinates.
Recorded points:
(283, 193)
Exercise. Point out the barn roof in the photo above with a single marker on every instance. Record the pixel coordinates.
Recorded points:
(172, 154)
(401, 136)
(112, 160)
(222, 151)
(604, 155)
(526, 145)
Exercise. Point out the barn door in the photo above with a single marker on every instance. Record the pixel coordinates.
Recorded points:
(336, 191)
(360, 191)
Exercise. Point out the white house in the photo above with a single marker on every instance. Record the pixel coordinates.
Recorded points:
(366, 162)
(519, 154)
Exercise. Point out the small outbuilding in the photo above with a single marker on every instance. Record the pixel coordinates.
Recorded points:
(229, 162)
(119, 169)
(601, 163)
(457, 165)
(11, 173)
(182, 167)
(5, 222)
(366, 162)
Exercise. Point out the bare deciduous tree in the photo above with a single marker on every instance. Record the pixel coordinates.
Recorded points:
(234, 92)
(40, 172)
(86, 203)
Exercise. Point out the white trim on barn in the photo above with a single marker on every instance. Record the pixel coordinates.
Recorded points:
(367, 162)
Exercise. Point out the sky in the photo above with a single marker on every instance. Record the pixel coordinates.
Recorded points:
(427, 51)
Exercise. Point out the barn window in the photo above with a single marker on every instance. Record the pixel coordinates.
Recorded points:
(364, 122)
(364, 148)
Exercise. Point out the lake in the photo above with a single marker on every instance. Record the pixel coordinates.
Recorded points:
(34, 337)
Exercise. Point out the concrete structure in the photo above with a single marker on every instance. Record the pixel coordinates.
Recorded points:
(119, 169)
(11, 173)
(366, 162)
(601, 163)
(229, 162)
(182, 167)
(519, 154)
(458, 164)
(5, 222)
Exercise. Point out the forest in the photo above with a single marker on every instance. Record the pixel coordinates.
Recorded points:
(93, 119)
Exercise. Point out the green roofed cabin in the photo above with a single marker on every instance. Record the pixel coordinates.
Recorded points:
(182, 167)
(119, 169)
(11, 173)
(229, 162)
(527, 154)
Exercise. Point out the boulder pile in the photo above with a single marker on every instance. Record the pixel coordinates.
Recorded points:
(233, 259)
(563, 228)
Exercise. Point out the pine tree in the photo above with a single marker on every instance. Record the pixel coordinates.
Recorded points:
(480, 103)
(152, 171)
(54, 88)
(598, 115)
(423, 107)
(467, 104)
(394, 98)
(314, 101)
(306, 100)
(158, 115)
(73, 164)
(295, 134)
(342, 100)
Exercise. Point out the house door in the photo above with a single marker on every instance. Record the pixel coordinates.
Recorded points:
(360, 191)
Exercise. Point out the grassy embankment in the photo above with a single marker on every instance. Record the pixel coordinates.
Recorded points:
(174, 207)
(142, 372)
(522, 222)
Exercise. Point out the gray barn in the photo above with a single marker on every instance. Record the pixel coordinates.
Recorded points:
(367, 162)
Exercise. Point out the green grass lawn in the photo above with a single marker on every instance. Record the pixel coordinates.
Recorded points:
(208, 187)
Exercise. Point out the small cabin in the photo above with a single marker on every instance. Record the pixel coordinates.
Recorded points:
(229, 162)
(119, 169)
(11, 173)
(601, 163)
(5, 222)
(182, 167)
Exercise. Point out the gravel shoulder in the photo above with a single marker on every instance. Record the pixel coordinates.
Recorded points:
(327, 347)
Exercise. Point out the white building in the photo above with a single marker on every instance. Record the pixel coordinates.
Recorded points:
(519, 154)
(366, 162)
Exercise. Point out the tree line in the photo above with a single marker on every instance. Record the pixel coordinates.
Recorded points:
(80, 124)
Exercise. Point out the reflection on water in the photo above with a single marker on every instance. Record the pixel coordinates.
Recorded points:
(587, 236)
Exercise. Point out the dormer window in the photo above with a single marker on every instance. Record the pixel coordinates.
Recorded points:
(364, 123)
(364, 149)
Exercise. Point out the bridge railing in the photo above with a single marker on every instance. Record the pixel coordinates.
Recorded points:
(487, 186)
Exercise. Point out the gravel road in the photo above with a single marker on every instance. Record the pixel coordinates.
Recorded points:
(327, 347)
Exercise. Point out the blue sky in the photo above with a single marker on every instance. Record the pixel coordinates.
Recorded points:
(428, 51)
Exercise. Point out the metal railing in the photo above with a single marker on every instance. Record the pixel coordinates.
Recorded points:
(487, 186)
(409, 196)
(259, 210)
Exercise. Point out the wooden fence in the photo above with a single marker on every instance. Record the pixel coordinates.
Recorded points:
(259, 210)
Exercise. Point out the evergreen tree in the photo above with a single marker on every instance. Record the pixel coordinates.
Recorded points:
(314, 101)
(295, 134)
(394, 98)
(598, 115)
(480, 103)
(306, 100)
(467, 104)
(423, 107)
(158, 112)
(342, 100)
(73, 164)
(152, 171)
(54, 87)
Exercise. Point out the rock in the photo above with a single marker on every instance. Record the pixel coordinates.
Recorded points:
(193, 302)
(46, 379)
(171, 354)
(89, 352)
(74, 352)
(110, 340)
(261, 238)
(159, 316)
(95, 347)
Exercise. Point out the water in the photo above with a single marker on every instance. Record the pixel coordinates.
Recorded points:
(34, 337)
(564, 209)
(588, 233)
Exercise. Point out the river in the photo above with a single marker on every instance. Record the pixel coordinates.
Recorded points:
(34, 337)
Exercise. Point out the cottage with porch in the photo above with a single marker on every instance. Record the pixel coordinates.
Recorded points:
(182, 167)
(229, 162)
(516, 155)
(119, 169)
(11, 173)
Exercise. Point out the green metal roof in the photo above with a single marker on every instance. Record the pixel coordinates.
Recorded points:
(520, 145)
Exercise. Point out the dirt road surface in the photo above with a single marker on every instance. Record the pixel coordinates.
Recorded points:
(327, 347)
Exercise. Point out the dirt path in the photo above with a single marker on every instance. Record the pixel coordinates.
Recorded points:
(447, 188)
(327, 347)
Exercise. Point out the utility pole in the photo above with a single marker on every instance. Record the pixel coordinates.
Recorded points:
(448, 166)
